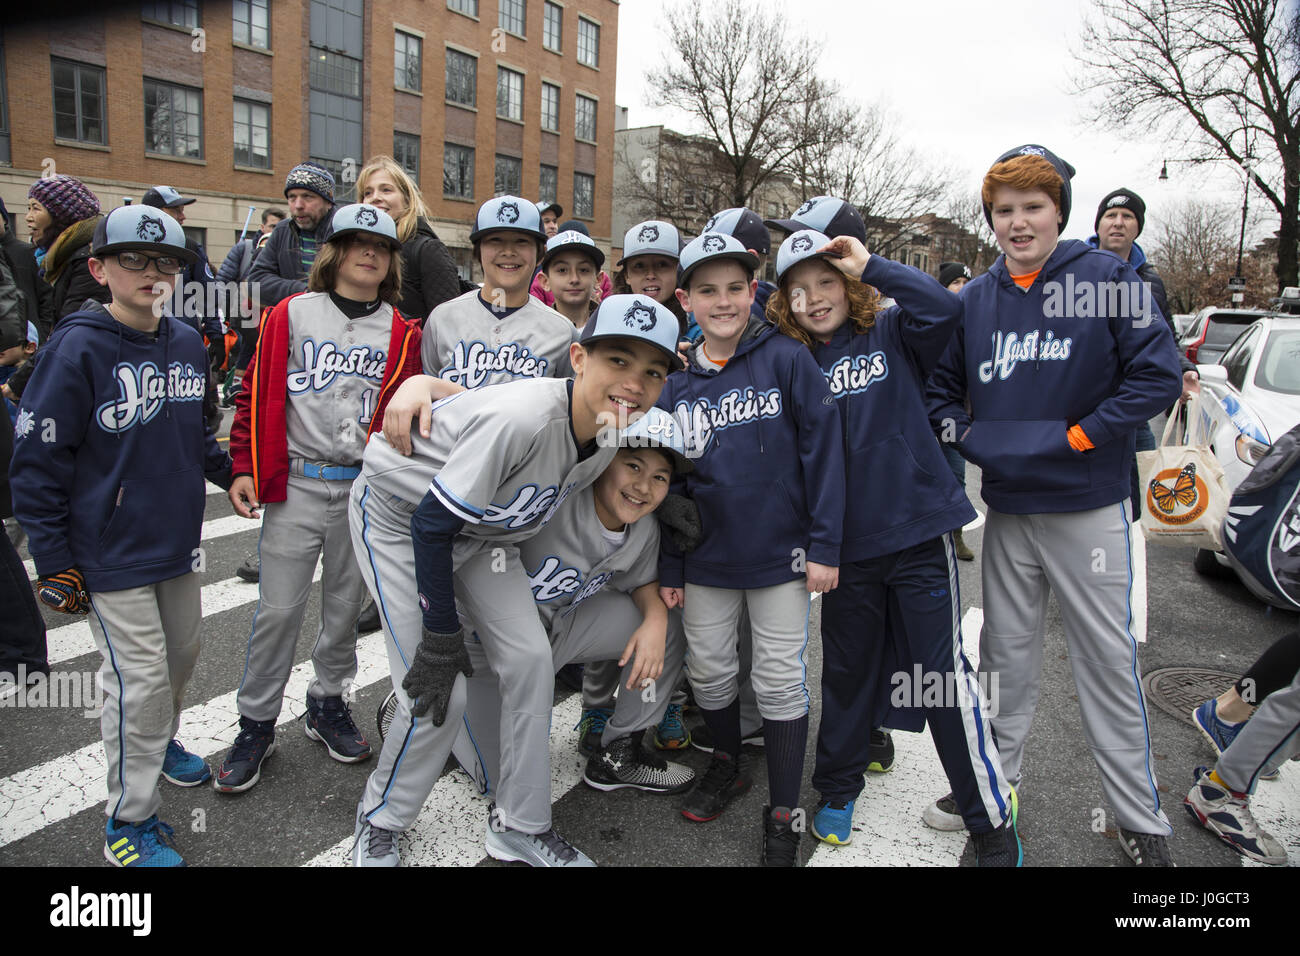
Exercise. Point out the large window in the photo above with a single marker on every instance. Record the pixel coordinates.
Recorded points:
(584, 195)
(552, 25)
(548, 184)
(551, 107)
(467, 7)
(584, 118)
(252, 134)
(252, 22)
(511, 15)
(457, 171)
(406, 150)
(173, 120)
(334, 95)
(462, 78)
(509, 176)
(181, 13)
(510, 94)
(78, 101)
(406, 61)
(588, 42)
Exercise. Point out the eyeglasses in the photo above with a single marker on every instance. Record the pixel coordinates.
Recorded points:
(138, 262)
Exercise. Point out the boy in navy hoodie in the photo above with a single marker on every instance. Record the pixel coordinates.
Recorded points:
(764, 432)
(1061, 363)
(108, 480)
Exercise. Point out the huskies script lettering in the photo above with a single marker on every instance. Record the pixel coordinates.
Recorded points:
(470, 366)
(142, 390)
(323, 363)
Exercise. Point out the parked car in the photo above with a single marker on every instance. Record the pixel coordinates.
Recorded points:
(1213, 331)
(1182, 323)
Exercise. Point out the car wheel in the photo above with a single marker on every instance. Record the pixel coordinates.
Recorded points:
(1207, 563)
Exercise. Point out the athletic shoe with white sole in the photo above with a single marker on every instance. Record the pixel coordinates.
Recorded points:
(535, 849)
(671, 734)
(242, 767)
(590, 729)
(1219, 732)
(147, 844)
(723, 782)
(184, 768)
(329, 721)
(833, 822)
(373, 846)
(1145, 849)
(1226, 814)
(625, 763)
(943, 815)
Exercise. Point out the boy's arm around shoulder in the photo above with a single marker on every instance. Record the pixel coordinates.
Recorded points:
(926, 314)
(821, 451)
(945, 390)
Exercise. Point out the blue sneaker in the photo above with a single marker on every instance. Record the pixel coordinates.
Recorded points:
(1219, 732)
(833, 822)
(671, 734)
(184, 768)
(140, 844)
(590, 729)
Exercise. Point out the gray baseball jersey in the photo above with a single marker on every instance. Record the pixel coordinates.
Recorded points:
(467, 342)
(336, 365)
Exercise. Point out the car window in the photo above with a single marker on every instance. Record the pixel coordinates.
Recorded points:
(1237, 359)
(1279, 366)
(1222, 332)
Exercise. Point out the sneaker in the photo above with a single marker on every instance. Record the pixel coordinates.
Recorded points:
(722, 782)
(780, 839)
(590, 729)
(880, 752)
(943, 815)
(702, 739)
(251, 569)
(372, 845)
(330, 721)
(624, 763)
(833, 822)
(1001, 847)
(1146, 849)
(671, 734)
(1226, 814)
(184, 768)
(368, 622)
(1219, 732)
(242, 767)
(535, 849)
(140, 844)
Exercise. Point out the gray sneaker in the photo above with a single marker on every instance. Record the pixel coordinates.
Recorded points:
(372, 845)
(535, 849)
(943, 815)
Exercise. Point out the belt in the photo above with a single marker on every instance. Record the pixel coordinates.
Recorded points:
(311, 469)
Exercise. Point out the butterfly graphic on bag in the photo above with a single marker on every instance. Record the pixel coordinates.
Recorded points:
(1182, 493)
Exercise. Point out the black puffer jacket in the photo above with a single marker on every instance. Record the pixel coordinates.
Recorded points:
(429, 275)
(40, 297)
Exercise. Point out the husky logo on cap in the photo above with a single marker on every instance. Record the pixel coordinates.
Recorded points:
(508, 212)
(367, 217)
(806, 208)
(640, 317)
(1034, 151)
(802, 244)
(713, 244)
(648, 234)
(1117, 201)
(150, 229)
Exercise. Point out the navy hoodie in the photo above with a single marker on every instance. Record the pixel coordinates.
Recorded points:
(901, 491)
(111, 452)
(764, 435)
(1036, 362)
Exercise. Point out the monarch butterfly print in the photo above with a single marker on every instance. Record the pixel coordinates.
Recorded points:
(1182, 493)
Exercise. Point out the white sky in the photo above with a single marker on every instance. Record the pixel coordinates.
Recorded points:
(968, 81)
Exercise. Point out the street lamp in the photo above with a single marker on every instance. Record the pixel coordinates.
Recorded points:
(1237, 284)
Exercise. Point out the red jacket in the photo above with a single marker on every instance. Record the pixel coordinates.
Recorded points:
(259, 443)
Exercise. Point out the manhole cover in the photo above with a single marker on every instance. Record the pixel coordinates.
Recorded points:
(1179, 690)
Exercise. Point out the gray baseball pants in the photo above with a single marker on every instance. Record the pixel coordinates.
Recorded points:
(1270, 737)
(149, 638)
(1085, 559)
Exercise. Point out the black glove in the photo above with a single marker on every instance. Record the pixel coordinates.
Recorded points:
(217, 352)
(680, 517)
(65, 592)
(437, 661)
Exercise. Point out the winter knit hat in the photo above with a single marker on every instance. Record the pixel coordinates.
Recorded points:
(950, 272)
(1122, 198)
(1063, 169)
(313, 177)
(67, 200)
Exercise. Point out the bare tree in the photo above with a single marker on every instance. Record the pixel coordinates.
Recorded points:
(1195, 249)
(671, 177)
(1221, 75)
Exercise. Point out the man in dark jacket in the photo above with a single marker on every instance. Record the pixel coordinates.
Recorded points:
(281, 268)
(244, 315)
(21, 257)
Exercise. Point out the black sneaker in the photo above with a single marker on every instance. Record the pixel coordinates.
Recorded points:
(722, 782)
(368, 622)
(1145, 849)
(251, 569)
(1000, 847)
(880, 752)
(780, 839)
(625, 763)
(570, 677)
(330, 722)
(242, 767)
(701, 739)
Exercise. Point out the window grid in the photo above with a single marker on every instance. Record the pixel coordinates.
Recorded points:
(584, 118)
(252, 134)
(552, 26)
(457, 171)
(588, 43)
(252, 23)
(181, 13)
(406, 150)
(173, 120)
(462, 78)
(548, 184)
(406, 61)
(511, 16)
(508, 180)
(584, 195)
(510, 94)
(78, 101)
(551, 107)
(335, 73)
(468, 7)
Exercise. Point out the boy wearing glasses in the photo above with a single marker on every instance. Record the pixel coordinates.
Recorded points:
(110, 455)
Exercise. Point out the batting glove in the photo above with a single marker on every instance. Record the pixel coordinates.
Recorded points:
(680, 517)
(429, 682)
(65, 592)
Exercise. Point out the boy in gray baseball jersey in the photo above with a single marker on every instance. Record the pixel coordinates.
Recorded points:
(501, 462)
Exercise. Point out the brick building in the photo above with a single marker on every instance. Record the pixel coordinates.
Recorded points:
(221, 99)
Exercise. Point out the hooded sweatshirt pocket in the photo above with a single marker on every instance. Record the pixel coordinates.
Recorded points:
(1032, 455)
(156, 519)
(751, 524)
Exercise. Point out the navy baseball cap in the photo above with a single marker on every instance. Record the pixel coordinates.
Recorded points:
(572, 241)
(798, 246)
(634, 317)
(710, 246)
(140, 229)
(164, 197)
(1063, 169)
(653, 237)
(363, 217)
(544, 207)
(508, 214)
(658, 429)
(825, 214)
(745, 225)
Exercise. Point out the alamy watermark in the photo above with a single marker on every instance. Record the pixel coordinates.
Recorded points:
(79, 690)
(920, 688)
(1086, 299)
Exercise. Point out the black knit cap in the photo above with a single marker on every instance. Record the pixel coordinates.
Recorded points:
(950, 272)
(1122, 198)
(1063, 169)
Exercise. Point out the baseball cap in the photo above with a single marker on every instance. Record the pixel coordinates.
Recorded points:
(634, 317)
(652, 237)
(508, 214)
(798, 246)
(658, 429)
(570, 241)
(164, 197)
(13, 334)
(1063, 169)
(363, 217)
(825, 214)
(141, 229)
(710, 246)
(544, 207)
(745, 225)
